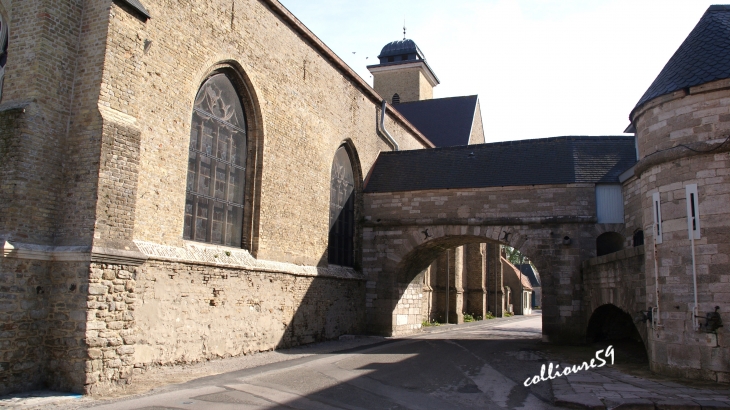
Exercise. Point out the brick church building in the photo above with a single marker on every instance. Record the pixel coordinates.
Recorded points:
(180, 184)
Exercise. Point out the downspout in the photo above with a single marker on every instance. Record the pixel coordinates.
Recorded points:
(382, 127)
(448, 285)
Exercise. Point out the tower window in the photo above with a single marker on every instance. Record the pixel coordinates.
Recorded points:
(216, 165)
(391, 59)
(404, 57)
(638, 238)
(396, 98)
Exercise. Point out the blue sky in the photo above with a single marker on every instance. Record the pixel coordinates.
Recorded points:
(541, 68)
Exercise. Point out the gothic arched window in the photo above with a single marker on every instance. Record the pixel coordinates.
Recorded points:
(396, 98)
(342, 211)
(216, 165)
(3, 51)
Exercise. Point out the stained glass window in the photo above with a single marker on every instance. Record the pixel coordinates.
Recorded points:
(342, 211)
(216, 165)
(3, 51)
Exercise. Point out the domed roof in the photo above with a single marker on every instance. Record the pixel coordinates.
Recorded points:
(703, 57)
(402, 47)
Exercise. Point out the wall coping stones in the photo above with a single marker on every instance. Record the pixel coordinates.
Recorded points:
(691, 149)
(71, 253)
(612, 257)
(225, 257)
(539, 220)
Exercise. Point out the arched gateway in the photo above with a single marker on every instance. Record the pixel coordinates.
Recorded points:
(537, 196)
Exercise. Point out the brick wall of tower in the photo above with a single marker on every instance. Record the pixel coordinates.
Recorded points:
(409, 83)
(698, 118)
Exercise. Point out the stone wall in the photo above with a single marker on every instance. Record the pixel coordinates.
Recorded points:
(95, 129)
(164, 313)
(43, 341)
(682, 141)
(408, 312)
(405, 231)
(409, 83)
(23, 311)
(300, 107)
(477, 127)
(617, 279)
(633, 214)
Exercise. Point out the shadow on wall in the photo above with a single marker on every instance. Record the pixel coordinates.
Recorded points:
(608, 322)
(609, 242)
(329, 308)
(610, 325)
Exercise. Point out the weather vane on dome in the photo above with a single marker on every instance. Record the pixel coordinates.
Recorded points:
(404, 29)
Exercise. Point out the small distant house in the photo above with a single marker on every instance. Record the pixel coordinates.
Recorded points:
(519, 297)
(534, 277)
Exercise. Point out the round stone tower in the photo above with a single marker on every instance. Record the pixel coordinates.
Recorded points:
(682, 126)
(403, 74)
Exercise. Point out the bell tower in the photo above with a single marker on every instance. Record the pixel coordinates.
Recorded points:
(403, 74)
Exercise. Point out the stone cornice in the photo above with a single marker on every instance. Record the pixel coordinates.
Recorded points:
(613, 257)
(546, 220)
(234, 258)
(97, 254)
(191, 253)
(681, 151)
(419, 64)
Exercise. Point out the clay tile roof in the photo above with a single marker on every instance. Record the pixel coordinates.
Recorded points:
(704, 56)
(510, 269)
(530, 273)
(444, 121)
(547, 161)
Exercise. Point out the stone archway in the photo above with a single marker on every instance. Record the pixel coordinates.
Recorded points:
(395, 257)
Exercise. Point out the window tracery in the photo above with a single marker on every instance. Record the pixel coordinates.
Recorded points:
(216, 165)
(3, 51)
(342, 210)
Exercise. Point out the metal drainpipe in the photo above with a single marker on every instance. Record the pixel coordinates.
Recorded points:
(522, 288)
(448, 287)
(382, 126)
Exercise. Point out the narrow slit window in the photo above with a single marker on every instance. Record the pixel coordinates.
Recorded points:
(657, 218)
(216, 165)
(693, 211)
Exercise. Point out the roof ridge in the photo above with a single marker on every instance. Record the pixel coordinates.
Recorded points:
(439, 99)
(519, 142)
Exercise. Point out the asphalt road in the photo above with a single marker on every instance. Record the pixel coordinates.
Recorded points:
(479, 365)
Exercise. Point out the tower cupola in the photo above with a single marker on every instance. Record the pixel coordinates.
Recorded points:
(403, 74)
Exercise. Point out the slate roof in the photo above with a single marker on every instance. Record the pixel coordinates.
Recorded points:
(136, 5)
(704, 56)
(558, 160)
(444, 121)
(400, 47)
(529, 273)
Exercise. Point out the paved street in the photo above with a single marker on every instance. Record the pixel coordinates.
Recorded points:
(475, 365)
(481, 365)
